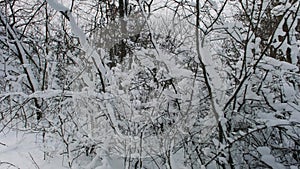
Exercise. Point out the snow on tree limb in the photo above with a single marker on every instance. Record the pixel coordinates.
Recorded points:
(90, 51)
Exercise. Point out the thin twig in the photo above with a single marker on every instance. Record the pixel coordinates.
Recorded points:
(3, 144)
(34, 162)
(8, 163)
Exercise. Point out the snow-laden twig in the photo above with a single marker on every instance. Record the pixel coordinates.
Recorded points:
(23, 52)
(203, 58)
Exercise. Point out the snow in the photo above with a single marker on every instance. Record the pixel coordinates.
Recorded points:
(264, 150)
(268, 158)
(269, 63)
(177, 160)
(57, 6)
(280, 9)
(77, 31)
(24, 150)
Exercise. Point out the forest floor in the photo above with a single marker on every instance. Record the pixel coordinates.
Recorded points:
(23, 150)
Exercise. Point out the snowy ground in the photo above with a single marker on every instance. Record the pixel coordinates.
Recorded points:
(23, 150)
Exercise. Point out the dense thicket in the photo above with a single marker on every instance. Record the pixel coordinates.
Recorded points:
(154, 84)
